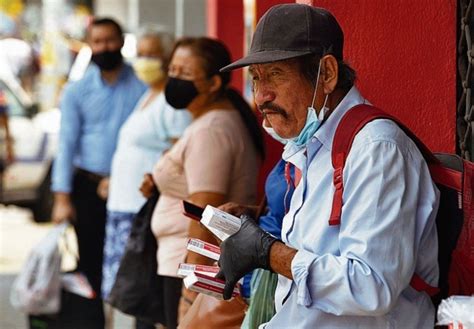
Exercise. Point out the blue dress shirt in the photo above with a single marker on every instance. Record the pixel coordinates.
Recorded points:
(92, 112)
(357, 274)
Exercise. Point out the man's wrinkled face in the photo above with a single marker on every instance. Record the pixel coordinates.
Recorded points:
(283, 95)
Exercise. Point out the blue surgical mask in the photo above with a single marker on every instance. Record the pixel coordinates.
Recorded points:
(313, 121)
(274, 135)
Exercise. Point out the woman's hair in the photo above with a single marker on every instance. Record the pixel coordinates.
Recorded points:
(214, 55)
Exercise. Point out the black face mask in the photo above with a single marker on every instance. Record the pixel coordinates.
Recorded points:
(180, 93)
(107, 60)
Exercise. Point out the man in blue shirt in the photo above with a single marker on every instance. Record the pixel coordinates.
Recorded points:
(356, 274)
(92, 111)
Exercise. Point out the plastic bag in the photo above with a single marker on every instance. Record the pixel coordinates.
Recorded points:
(37, 289)
(77, 283)
(457, 312)
(262, 299)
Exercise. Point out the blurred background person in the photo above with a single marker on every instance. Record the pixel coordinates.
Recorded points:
(19, 61)
(152, 128)
(92, 111)
(6, 141)
(216, 161)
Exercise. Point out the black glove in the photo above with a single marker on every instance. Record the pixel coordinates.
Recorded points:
(242, 252)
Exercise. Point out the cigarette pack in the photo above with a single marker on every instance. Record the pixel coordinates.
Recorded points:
(220, 223)
(185, 269)
(204, 248)
(207, 285)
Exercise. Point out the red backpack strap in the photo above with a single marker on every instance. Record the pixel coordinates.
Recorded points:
(351, 123)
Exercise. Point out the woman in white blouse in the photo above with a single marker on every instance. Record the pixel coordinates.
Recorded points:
(151, 129)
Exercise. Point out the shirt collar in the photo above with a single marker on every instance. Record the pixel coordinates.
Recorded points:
(325, 134)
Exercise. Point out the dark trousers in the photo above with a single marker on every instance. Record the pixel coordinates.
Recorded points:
(143, 325)
(89, 227)
(171, 295)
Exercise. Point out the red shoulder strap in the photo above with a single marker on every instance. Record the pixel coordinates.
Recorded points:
(351, 123)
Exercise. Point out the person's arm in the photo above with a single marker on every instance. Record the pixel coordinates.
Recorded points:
(281, 257)
(63, 164)
(208, 161)
(6, 128)
(8, 137)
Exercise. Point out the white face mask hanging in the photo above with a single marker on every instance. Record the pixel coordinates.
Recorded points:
(274, 135)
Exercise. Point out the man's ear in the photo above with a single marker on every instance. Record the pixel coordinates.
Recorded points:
(330, 73)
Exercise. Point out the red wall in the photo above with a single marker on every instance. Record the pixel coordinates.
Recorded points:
(225, 22)
(404, 53)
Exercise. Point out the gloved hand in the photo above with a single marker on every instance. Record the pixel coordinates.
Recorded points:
(242, 252)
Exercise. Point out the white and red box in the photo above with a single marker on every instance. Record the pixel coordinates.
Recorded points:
(204, 248)
(220, 223)
(186, 269)
(208, 285)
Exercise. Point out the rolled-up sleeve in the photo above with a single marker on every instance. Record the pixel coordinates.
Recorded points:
(377, 238)
(68, 142)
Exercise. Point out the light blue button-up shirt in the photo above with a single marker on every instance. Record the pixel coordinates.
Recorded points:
(357, 275)
(92, 112)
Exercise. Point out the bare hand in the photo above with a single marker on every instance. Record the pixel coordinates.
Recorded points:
(186, 301)
(148, 187)
(238, 210)
(103, 188)
(63, 209)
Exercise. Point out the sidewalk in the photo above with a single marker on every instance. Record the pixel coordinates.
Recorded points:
(18, 235)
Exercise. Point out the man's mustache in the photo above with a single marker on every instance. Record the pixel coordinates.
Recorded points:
(274, 108)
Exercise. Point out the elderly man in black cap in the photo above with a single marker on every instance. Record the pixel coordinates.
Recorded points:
(358, 273)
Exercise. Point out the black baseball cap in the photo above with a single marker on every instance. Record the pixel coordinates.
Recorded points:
(293, 30)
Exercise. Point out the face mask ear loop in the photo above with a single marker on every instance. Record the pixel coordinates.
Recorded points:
(323, 109)
(316, 87)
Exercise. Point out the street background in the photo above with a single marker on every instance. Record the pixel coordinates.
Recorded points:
(19, 234)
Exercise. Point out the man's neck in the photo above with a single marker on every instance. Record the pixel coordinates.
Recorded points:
(111, 76)
(334, 99)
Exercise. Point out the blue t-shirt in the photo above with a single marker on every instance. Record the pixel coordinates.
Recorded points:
(278, 199)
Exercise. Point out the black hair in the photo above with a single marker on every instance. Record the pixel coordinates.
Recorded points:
(309, 68)
(107, 21)
(215, 55)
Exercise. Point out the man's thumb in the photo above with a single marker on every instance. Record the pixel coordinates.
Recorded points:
(220, 275)
(228, 289)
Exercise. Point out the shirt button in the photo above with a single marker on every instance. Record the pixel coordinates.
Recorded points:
(313, 139)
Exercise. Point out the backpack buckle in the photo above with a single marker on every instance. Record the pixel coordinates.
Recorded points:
(337, 178)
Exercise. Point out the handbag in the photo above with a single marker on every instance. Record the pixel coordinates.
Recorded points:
(208, 312)
(137, 285)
